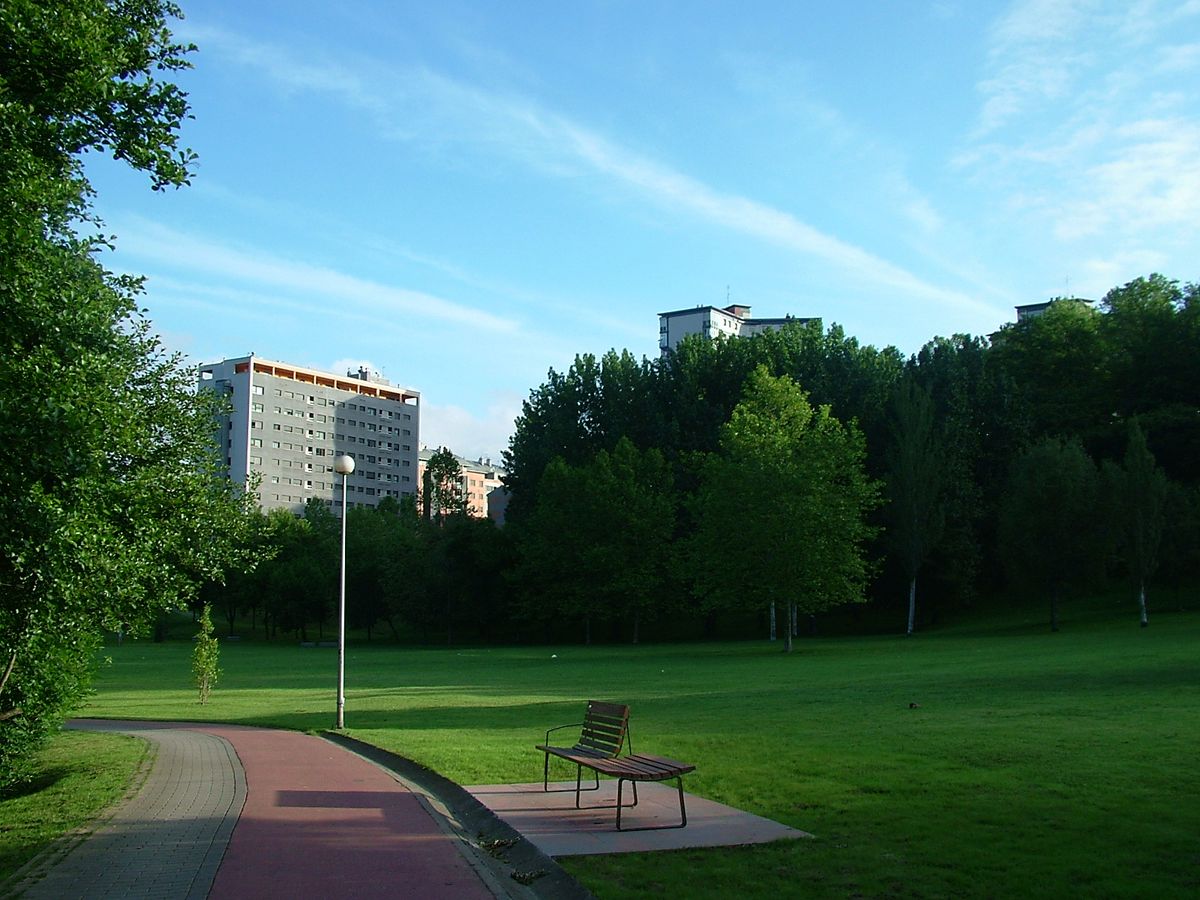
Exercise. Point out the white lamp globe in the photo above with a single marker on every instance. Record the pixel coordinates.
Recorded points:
(343, 464)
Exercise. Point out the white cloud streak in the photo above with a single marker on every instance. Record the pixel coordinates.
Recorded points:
(179, 251)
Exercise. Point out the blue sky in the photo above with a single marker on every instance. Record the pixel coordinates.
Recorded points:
(466, 194)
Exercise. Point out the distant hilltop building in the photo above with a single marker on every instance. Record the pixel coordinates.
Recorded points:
(482, 485)
(1033, 310)
(712, 322)
(286, 424)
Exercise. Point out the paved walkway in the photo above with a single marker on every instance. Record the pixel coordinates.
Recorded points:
(167, 840)
(234, 812)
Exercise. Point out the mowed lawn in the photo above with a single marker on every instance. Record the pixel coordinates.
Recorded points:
(1034, 764)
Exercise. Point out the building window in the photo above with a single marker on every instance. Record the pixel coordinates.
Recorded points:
(255, 442)
(258, 389)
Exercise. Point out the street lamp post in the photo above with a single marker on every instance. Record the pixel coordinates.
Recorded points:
(343, 465)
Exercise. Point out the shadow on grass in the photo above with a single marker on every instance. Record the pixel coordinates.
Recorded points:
(25, 787)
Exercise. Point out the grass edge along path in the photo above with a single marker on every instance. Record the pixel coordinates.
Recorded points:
(1032, 764)
(77, 780)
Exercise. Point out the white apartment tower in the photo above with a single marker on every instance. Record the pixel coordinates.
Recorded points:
(286, 424)
(731, 321)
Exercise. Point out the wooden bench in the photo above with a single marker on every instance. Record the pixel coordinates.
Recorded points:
(604, 733)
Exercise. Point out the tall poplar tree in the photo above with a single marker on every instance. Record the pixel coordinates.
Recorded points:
(915, 481)
(1139, 491)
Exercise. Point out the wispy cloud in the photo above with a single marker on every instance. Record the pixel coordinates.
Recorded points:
(1103, 154)
(1152, 182)
(434, 108)
(179, 251)
(1032, 58)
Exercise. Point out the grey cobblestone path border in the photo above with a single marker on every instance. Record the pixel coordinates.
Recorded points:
(165, 842)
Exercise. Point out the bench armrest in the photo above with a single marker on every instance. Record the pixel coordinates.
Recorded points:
(561, 727)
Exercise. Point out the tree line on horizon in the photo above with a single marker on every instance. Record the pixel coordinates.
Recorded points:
(793, 472)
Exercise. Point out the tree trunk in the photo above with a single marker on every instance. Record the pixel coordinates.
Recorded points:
(791, 625)
(772, 620)
(637, 623)
(1142, 603)
(8, 670)
(912, 606)
(587, 631)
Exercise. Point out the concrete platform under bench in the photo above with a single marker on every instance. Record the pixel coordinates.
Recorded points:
(551, 822)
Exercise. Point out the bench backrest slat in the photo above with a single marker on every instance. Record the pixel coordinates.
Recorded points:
(605, 726)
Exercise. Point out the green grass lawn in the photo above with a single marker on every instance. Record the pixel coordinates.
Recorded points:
(77, 776)
(1036, 764)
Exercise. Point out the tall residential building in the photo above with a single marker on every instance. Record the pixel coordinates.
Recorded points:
(732, 321)
(286, 424)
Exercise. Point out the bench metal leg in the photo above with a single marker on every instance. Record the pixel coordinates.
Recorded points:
(682, 808)
(579, 776)
(546, 781)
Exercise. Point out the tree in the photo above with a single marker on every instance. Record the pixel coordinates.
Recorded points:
(118, 507)
(442, 493)
(205, 656)
(371, 535)
(782, 508)
(1056, 360)
(1139, 490)
(1048, 520)
(1153, 366)
(300, 585)
(596, 544)
(915, 485)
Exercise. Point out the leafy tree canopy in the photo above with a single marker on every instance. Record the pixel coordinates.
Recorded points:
(117, 507)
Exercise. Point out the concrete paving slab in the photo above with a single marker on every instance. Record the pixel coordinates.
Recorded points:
(550, 821)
